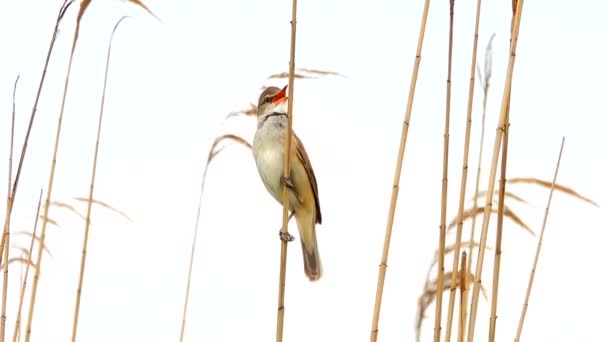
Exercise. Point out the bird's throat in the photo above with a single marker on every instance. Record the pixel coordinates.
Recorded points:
(267, 116)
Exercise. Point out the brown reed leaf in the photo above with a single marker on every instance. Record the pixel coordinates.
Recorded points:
(508, 194)
(20, 260)
(547, 184)
(320, 72)
(285, 74)
(37, 238)
(472, 212)
(68, 207)
(214, 151)
(303, 74)
(252, 111)
(144, 7)
(50, 221)
(105, 205)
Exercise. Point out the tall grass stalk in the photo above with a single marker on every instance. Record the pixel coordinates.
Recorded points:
(6, 235)
(213, 152)
(64, 7)
(493, 169)
(500, 219)
(83, 6)
(286, 173)
(499, 230)
(463, 179)
(397, 177)
(444, 182)
(524, 309)
(91, 188)
(485, 82)
(17, 328)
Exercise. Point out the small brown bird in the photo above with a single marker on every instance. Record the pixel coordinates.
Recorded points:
(269, 152)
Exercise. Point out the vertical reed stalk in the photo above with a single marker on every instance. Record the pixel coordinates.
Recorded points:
(286, 173)
(28, 332)
(524, 309)
(499, 227)
(395, 192)
(6, 236)
(17, 329)
(486, 90)
(444, 182)
(493, 169)
(62, 10)
(91, 189)
(463, 179)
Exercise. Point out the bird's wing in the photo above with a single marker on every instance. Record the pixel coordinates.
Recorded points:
(303, 156)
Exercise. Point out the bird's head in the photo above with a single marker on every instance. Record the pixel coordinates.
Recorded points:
(272, 100)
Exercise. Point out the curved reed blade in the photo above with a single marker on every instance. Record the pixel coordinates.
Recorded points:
(251, 111)
(105, 205)
(508, 194)
(20, 260)
(320, 72)
(472, 212)
(69, 207)
(547, 185)
(144, 7)
(214, 150)
(37, 239)
(49, 221)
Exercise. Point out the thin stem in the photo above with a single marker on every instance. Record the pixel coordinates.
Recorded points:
(486, 90)
(463, 179)
(286, 173)
(499, 227)
(62, 10)
(17, 329)
(47, 204)
(395, 192)
(91, 190)
(444, 183)
(524, 309)
(7, 230)
(493, 169)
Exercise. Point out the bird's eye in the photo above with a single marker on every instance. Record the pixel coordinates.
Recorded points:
(268, 99)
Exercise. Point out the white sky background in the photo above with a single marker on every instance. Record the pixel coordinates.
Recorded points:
(172, 82)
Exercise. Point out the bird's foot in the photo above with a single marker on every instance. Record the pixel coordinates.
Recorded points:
(285, 236)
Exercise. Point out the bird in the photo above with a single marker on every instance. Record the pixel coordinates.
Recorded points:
(303, 193)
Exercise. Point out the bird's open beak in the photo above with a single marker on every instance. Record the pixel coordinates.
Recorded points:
(282, 95)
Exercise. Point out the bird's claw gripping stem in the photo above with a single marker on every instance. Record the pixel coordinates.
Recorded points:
(285, 236)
